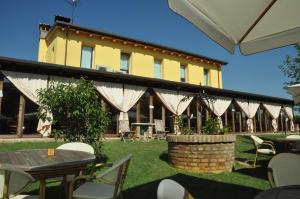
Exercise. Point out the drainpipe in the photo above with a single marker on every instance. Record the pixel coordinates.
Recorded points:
(66, 45)
(219, 69)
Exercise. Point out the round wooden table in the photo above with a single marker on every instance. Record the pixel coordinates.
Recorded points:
(285, 192)
(41, 166)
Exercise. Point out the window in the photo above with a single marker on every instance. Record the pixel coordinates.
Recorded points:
(157, 69)
(125, 62)
(182, 73)
(86, 57)
(206, 77)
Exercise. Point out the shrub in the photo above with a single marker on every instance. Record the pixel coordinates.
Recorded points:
(76, 110)
(211, 126)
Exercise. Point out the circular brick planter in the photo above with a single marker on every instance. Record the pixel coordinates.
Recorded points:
(202, 153)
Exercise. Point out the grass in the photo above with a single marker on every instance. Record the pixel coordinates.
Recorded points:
(149, 166)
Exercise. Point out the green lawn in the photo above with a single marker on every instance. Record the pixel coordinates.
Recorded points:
(149, 166)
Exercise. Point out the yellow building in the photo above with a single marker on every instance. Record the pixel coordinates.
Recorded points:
(72, 45)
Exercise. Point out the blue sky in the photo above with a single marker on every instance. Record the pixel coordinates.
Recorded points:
(146, 20)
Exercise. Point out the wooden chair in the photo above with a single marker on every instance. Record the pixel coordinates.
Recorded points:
(107, 185)
(13, 181)
(125, 132)
(160, 130)
(262, 147)
(283, 170)
(170, 189)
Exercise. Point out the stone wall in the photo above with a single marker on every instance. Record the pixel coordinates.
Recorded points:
(202, 153)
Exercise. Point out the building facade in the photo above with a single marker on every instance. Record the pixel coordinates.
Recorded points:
(136, 81)
(72, 45)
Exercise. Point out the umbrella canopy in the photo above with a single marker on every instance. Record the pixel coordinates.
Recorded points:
(256, 25)
(295, 91)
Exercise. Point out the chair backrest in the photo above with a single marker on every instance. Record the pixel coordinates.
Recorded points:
(257, 141)
(293, 137)
(77, 146)
(159, 127)
(284, 169)
(124, 126)
(12, 181)
(116, 174)
(170, 189)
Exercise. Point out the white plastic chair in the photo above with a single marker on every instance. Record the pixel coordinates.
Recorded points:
(293, 137)
(13, 181)
(283, 170)
(295, 145)
(125, 132)
(159, 129)
(107, 185)
(261, 147)
(76, 146)
(170, 189)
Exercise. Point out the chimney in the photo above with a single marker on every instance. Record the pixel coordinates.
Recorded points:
(61, 19)
(44, 29)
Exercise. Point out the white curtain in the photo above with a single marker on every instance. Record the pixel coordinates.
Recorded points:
(274, 110)
(132, 94)
(112, 92)
(175, 101)
(29, 84)
(250, 109)
(121, 98)
(218, 105)
(289, 112)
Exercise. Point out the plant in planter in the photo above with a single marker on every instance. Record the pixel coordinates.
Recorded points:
(76, 110)
(211, 126)
(208, 152)
(178, 124)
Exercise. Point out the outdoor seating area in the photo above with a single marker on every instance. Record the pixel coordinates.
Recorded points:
(152, 110)
(245, 181)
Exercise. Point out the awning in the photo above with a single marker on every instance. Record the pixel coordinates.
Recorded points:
(294, 90)
(256, 25)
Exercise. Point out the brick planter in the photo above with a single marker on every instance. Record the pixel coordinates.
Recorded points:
(202, 153)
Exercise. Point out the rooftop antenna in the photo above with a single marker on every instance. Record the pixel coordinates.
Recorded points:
(74, 4)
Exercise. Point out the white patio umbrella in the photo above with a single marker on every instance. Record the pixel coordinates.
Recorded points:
(256, 25)
(294, 90)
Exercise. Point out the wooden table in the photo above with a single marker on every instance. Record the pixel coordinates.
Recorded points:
(285, 192)
(147, 133)
(41, 166)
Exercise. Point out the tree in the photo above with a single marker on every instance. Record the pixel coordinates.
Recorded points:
(291, 67)
(76, 110)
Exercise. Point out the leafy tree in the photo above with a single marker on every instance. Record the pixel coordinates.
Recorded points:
(291, 67)
(77, 113)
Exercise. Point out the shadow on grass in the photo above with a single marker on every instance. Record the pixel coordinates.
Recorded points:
(56, 191)
(164, 156)
(198, 187)
(257, 172)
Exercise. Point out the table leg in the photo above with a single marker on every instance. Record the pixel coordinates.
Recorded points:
(42, 191)
(66, 186)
